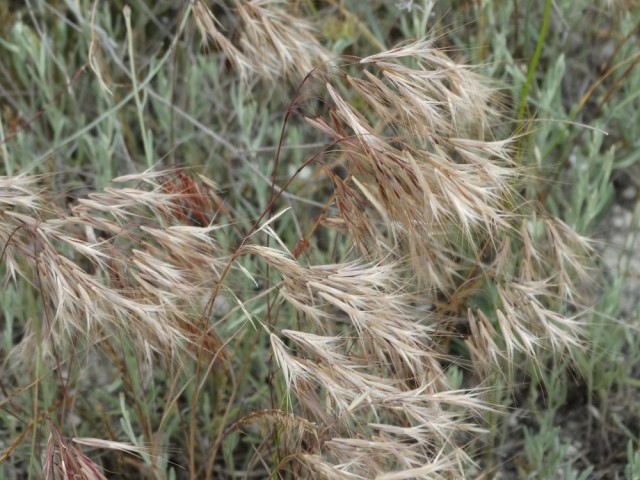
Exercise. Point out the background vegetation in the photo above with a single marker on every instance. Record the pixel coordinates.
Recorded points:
(268, 219)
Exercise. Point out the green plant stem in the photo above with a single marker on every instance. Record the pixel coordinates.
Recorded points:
(143, 130)
(533, 64)
(5, 153)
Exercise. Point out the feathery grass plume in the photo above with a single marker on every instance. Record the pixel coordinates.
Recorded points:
(372, 381)
(430, 198)
(426, 187)
(17, 192)
(64, 460)
(268, 40)
(417, 156)
(138, 262)
(371, 296)
(428, 184)
(538, 282)
(294, 433)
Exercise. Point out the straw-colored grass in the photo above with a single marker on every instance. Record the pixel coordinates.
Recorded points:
(348, 315)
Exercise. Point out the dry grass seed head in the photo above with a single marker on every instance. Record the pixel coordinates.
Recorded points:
(384, 371)
(421, 176)
(271, 42)
(64, 460)
(420, 166)
(149, 284)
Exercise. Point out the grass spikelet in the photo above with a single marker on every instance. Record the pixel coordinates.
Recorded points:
(380, 367)
(105, 270)
(270, 41)
(419, 160)
(64, 460)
